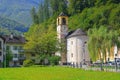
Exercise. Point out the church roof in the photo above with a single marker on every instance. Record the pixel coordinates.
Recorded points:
(77, 32)
(62, 14)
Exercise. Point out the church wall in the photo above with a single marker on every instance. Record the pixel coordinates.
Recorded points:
(77, 51)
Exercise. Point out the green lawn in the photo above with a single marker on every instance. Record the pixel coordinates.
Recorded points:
(55, 73)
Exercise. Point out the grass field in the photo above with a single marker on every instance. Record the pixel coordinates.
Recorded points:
(55, 73)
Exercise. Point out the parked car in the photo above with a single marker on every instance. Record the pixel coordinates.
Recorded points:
(118, 61)
(110, 63)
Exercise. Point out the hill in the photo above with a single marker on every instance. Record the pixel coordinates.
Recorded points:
(106, 15)
(12, 25)
(18, 10)
(7, 26)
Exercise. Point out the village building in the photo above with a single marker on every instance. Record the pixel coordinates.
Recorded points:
(77, 52)
(2, 50)
(14, 46)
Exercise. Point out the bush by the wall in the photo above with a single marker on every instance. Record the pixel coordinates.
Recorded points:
(28, 63)
(54, 60)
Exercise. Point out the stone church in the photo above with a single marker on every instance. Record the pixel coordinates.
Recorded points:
(76, 52)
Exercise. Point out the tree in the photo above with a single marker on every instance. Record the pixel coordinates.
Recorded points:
(58, 6)
(8, 57)
(63, 6)
(100, 40)
(100, 2)
(41, 41)
(71, 9)
(41, 13)
(114, 1)
(46, 10)
(34, 16)
(77, 6)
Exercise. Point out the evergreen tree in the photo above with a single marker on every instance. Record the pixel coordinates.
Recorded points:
(76, 6)
(54, 4)
(34, 16)
(72, 6)
(41, 13)
(58, 6)
(46, 10)
(114, 1)
(63, 6)
(100, 2)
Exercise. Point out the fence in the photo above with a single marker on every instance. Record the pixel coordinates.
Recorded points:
(97, 67)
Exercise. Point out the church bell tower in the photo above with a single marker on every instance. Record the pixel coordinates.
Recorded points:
(62, 26)
(62, 31)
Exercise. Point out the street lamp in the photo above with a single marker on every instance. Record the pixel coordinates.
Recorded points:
(116, 62)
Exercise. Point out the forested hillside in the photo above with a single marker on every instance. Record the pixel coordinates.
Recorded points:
(7, 26)
(83, 14)
(12, 25)
(6, 31)
(15, 15)
(107, 15)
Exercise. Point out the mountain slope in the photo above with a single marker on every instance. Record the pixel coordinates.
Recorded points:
(18, 10)
(12, 25)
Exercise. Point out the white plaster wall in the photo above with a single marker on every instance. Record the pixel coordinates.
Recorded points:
(71, 49)
(84, 48)
(79, 51)
(2, 50)
(62, 30)
(11, 47)
(78, 48)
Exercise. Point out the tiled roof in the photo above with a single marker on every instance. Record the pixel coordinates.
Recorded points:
(14, 39)
(77, 32)
(69, 33)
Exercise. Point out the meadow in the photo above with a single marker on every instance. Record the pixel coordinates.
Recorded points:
(55, 73)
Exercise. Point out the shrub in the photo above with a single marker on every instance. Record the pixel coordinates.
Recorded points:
(28, 63)
(54, 60)
(42, 57)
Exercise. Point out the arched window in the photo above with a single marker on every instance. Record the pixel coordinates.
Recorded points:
(63, 21)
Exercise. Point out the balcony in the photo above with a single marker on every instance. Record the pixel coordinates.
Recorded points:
(21, 51)
(22, 58)
(15, 59)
